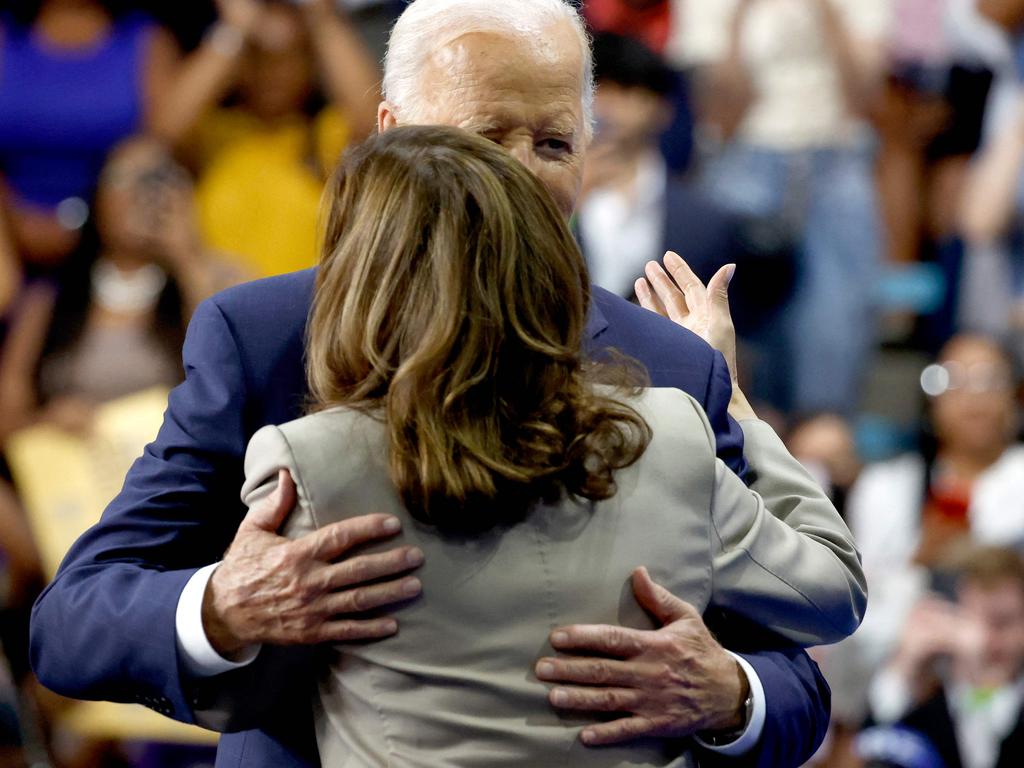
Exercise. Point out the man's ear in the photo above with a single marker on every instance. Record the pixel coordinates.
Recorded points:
(385, 117)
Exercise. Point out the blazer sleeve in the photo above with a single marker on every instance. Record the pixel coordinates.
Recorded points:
(238, 700)
(781, 554)
(105, 627)
(728, 436)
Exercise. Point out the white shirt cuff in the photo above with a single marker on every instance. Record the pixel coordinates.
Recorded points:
(747, 740)
(198, 657)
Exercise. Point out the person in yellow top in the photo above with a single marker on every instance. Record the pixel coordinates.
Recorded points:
(262, 161)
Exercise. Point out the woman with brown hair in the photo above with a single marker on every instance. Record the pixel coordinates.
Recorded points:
(450, 389)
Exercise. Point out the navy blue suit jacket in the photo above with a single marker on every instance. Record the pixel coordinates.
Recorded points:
(105, 627)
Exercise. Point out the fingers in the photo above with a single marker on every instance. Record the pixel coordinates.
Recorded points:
(270, 513)
(648, 299)
(718, 286)
(672, 299)
(662, 604)
(366, 568)
(336, 539)
(596, 699)
(602, 672)
(367, 598)
(351, 630)
(617, 731)
(616, 642)
(691, 286)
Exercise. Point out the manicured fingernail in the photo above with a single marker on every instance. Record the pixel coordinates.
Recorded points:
(391, 626)
(414, 557)
(411, 587)
(673, 256)
(559, 638)
(587, 737)
(392, 525)
(545, 669)
(730, 270)
(559, 697)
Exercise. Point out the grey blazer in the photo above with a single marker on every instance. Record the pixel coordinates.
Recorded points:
(455, 686)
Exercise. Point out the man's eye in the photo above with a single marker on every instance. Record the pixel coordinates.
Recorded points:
(559, 146)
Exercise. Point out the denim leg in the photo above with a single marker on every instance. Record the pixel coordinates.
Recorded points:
(832, 324)
(756, 182)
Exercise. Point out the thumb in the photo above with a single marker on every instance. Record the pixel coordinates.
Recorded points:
(269, 513)
(718, 286)
(662, 604)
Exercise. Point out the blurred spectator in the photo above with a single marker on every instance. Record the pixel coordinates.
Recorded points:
(80, 75)
(115, 324)
(264, 160)
(77, 76)
(957, 677)
(992, 223)
(783, 86)
(10, 273)
(112, 327)
(825, 445)
(930, 119)
(633, 208)
(648, 21)
(911, 514)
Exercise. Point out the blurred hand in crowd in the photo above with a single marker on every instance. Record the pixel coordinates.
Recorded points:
(71, 414)
(241, 14)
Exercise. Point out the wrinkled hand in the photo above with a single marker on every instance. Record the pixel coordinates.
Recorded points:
(679, 295)
(270, 589)
(669, 683)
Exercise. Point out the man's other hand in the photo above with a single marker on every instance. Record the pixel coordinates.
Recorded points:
(671, 682)
(270, 589)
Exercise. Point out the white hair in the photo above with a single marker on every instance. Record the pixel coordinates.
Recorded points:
(428, 25)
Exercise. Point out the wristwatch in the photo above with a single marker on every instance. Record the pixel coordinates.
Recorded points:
(723, 738)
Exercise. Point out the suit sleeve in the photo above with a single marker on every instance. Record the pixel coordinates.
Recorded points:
(237, 700)
(797, 697)
(728, 435)
(105, 627)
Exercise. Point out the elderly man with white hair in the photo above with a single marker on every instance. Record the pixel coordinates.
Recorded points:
(180, 600)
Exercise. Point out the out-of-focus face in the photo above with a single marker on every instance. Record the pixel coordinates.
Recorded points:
(529, 102)
(629, 117)
(132, 196)
(999, 612)
(976, 413)
(278, 71)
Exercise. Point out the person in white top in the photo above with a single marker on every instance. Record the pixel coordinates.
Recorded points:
(782, 89)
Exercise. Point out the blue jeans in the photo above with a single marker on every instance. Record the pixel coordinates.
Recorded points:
(813, 355)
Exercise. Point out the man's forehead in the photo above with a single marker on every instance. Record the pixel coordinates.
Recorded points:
(487, 81)
(499, 58)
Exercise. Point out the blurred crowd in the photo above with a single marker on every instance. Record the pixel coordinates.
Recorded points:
(861, 162)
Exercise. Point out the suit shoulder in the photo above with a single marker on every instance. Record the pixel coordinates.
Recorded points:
(271, 300)
(629, 320)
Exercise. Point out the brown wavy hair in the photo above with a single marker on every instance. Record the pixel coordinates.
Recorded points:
(451, 301)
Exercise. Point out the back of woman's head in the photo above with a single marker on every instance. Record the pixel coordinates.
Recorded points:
(452, 299)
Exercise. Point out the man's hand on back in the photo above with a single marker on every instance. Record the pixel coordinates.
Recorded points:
(671, 682)
(270, 589)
